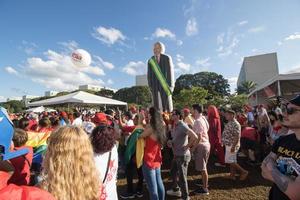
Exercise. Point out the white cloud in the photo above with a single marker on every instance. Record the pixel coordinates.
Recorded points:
(220, 38)
(28, 47)
(110, 82)
(179, 42)
(163, 33)
(184, 66)
(294, 69)
(2, 99)
(70, 45)
(232, 82)
(11, 70)
(279, 43)
(56, 71)
(242, 23)
(179, 57)
(108, 35)
(294, 36)
(191, 27)
(257, 29)
(203, 62)
(181, 66)
(228, 50)
(99, 61)
(135, 68)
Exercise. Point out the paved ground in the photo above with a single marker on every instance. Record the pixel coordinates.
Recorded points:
(255, 187)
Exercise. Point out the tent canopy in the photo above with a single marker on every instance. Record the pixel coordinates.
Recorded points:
(40, 109)
(79, 97)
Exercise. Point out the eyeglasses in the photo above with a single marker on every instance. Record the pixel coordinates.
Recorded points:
(289, 110)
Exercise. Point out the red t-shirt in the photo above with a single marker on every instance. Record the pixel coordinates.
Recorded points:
(152, 153)
(13, 192)
(249, 133)
(21, 175)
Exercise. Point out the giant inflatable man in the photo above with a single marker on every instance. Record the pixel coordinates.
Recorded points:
(161, 78)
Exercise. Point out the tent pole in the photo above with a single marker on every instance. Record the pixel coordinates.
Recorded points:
(256, 98)
(278, 88)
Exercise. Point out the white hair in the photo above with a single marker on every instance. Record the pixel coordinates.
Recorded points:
(162, 46)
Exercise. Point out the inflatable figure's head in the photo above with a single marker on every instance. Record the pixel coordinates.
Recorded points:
(6, 135)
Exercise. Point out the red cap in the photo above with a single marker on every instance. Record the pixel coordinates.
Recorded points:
(63, 114)
(186, 110)
(100, 118)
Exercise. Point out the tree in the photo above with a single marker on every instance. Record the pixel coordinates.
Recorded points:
(237, 102)
(140, 95)
(214, 83)
(246, 87)
(105, 93)
(14, 106)
(188, 97)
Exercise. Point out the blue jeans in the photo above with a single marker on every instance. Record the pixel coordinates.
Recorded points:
(154, 182)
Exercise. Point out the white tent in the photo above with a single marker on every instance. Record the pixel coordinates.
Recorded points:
(79, 97)
(40, 109)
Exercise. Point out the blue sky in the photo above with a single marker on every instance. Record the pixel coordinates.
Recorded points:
(37, 38)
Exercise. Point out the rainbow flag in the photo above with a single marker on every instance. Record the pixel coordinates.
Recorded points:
(38, 141)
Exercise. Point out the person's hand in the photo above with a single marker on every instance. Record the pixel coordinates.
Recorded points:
(267, 170)
(232, 150)
(169, 143)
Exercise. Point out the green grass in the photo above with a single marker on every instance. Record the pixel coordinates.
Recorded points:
(254, 187)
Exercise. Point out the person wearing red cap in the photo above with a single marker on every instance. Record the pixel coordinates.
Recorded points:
(282, 165)
(99, 118)
(63, 118)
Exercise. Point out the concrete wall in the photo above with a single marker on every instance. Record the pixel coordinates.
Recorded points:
(259, 68)
(141, 80)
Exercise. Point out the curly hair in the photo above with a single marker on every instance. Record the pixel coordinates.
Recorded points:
(157, 124)
(102, 139)
(69, 169)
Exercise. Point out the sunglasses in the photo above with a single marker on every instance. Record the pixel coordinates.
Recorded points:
(289, 110)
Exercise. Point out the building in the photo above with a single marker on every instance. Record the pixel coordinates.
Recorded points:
(90, 87)
(141, 80)
(285, 86)
(258, 68)
(26, 99)
(14, 99)
(51, 93)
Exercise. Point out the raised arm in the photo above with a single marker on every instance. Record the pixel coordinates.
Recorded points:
(284, 183)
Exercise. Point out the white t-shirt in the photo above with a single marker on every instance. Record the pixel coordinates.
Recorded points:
(88, 126)
(77, 122)
(109, 187)
(128, 123)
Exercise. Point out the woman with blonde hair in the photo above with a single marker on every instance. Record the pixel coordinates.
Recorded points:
(69, 169)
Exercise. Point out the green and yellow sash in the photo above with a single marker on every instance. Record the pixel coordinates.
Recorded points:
(159, 75)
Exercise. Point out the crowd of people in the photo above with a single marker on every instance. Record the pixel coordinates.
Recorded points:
(79, 155)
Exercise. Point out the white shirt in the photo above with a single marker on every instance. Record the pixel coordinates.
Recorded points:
(77, 122)
(128, 123)
(109, 187)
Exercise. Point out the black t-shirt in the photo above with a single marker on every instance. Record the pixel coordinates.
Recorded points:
(287, 149)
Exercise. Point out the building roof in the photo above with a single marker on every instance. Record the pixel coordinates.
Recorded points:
(279, 77)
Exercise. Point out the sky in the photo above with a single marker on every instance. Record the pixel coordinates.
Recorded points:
(37, 38)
